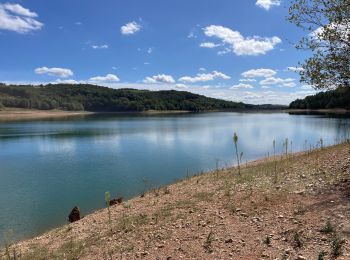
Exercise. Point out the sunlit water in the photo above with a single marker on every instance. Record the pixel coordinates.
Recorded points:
(49, 166)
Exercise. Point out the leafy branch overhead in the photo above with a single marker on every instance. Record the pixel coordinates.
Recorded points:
(327, 24)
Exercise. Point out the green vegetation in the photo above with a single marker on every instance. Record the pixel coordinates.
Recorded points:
(337, 245)
(208, 247)
(108, 199)
(102, 99)
(326, 35)
(339, 98)
(235, 141)
(328, 228)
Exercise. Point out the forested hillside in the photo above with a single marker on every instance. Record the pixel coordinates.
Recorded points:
(339, 98)
(103, 99)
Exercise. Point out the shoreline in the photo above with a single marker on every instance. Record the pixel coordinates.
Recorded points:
(157, 203)
(333, 110)
(28, 114)
(17, 114)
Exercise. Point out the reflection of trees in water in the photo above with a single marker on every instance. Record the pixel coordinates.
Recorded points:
(342, 128)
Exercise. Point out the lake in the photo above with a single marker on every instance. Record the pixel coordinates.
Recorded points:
(49, 166)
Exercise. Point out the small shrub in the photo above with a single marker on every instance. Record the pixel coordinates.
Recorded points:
(267, 240)
(108, 199)
(328, 228)
(321, 255)
(297, 240)
(337, 246)
(235, 141)
(208, 247)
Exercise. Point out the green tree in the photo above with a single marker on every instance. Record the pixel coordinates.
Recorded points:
(327, 23)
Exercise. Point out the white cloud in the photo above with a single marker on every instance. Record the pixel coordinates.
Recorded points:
(209, 45)
(19, 10)
(191, 35)
(240, 45)
(257, 73)
(107, 78)
(204, 77)
(181, 86)
(68, 81)
(295, 69)
(306, 87)
(130, 28)
(161, 78)
(150, 50)
(247, 80)
(14, 17)
(267, 4)
(58, 72)
(242, 85)
(96, 47)
(289, 82)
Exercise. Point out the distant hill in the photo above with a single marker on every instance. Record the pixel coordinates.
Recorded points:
(339, 98)
(103, 99)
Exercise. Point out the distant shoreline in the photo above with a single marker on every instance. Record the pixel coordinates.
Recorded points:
(14, 114)
(332, 110)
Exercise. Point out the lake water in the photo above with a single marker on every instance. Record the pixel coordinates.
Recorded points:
(49, 166)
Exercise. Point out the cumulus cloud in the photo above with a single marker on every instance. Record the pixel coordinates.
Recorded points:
(14, 17)
(259, 73)
(267, 4)
(295, 69)
(247, 80)
(204, 77)
(58, 72)
(161, 78)
(181, 86)
(209, 45)
(67, 81)
(130, 28)
(107, 78)
(239, 44)
(242, 86)
(96, 47)
(289, 82)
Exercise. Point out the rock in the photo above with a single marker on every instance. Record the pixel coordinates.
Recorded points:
(74, 215)
(228, 240)
(115, 201)
(300, 192)
(300, 257)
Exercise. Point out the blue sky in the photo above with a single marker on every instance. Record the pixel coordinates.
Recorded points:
(236, 50)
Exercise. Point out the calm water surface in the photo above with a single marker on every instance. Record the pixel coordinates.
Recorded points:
(49, 166)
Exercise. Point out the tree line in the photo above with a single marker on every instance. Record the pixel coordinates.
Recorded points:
(339, 98)
(102, 99)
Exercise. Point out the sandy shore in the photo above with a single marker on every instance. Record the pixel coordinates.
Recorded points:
(26, 114)
(294, 207)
